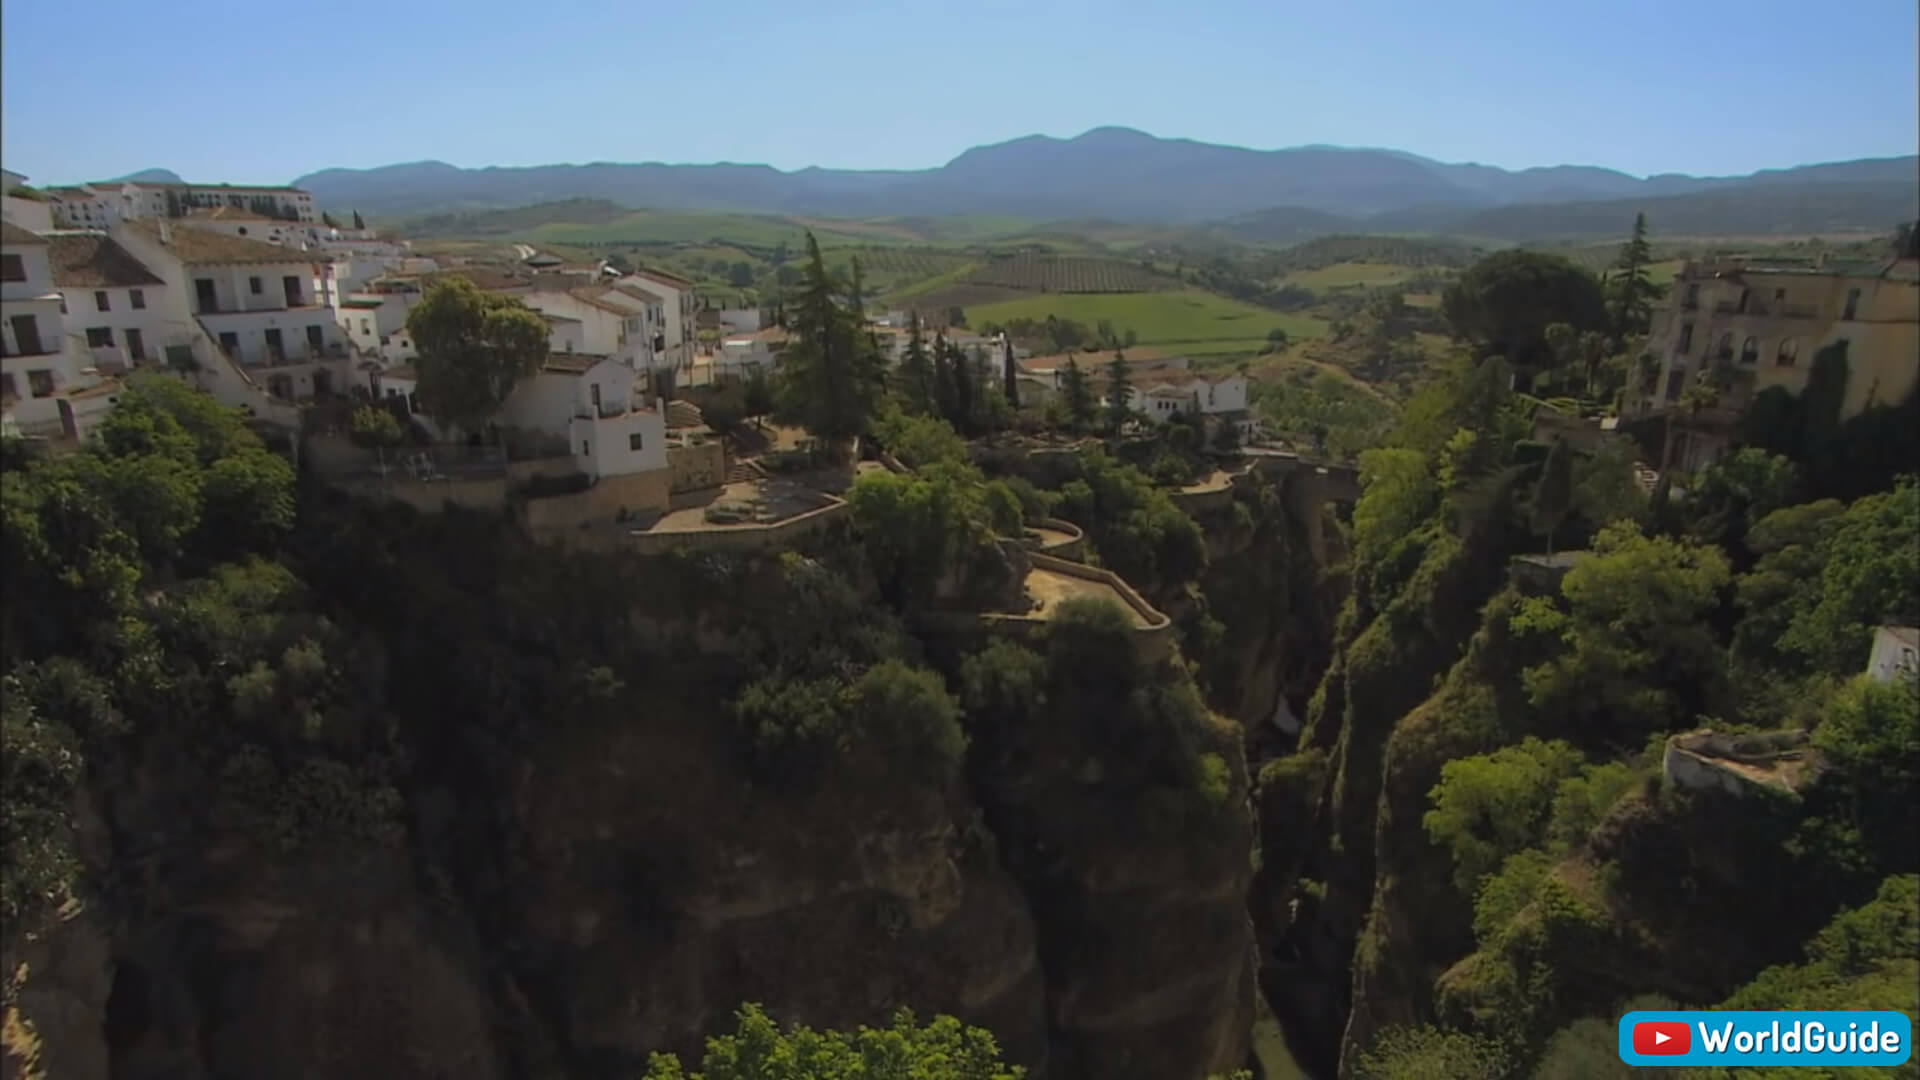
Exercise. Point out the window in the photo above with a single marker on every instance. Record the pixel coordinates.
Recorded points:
(1779, 295)
(586, 448)
(1725, 351)
(139, 300)
(1789, 352)
(100, 301)
(1686, 339)
(315, 338)
(1750, 352)
(253, 285)
(243, 230)
(7, 389)
(99, 337)
(635, 441)
(40, 383)
(12, 268)
(1853, 304)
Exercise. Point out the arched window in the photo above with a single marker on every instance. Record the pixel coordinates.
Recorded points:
(1750, 352)
(1725, 350)
(1789, 352)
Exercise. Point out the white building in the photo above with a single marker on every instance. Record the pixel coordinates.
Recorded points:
(740, 320)
(1164, 395)
(602, 320)
(741, 354)
(46, 388)
(1896, 653)
(101, 205)
(592, 402)
(376, 324)
(119, 313)
(255, 300)
(677, 338)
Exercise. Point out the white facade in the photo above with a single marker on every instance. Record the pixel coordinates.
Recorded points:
(100, 206)
(376, 323)
(601, 325)
(255, 301)
(112, 323)
(740, 320)
(46, 388)
(1896, 653)
(677, 335)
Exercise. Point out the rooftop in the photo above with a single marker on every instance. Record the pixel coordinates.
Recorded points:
(562, 363)
(1139, 360)
(639, 293)
(93, 260)
(1905, 635)
(663, 278)
(198, 247)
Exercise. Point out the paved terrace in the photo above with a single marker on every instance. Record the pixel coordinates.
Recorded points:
(1050, 588)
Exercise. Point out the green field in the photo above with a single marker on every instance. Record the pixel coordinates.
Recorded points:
(1189, 318)
(1348, 275)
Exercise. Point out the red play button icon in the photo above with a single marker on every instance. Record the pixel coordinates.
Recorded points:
(1662, 1037)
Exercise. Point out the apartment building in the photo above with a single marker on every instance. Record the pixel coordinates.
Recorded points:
(102, 205)
(1759, 324)
(255, 300)
(118, 312)
(46, 388)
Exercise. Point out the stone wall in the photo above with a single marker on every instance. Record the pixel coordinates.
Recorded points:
(1156, 639)
(696, 468)
(1203, 500)
(709, 538)
(1075, 548)
(1740, 763)
(634, 493)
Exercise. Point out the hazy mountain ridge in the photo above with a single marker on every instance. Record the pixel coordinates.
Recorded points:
(1111, 173)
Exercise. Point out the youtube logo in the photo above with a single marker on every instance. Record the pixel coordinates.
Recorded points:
(1662, 1037)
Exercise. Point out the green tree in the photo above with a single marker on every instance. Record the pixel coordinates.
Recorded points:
(1633, 651)
(759, 400)
(957, 316)
(758, 1050)
(1081, 406)
(374, 428)
(1867, 569)
(916, 381)
(475, 347)
(725, 410)
(1428, 1053)
(1504, 303)
(1276, 339)
(358, 222)
(327, 220)
(1553, 492)
(945, 394)
(966, 391)
(740, 275)
(1630, 292)
(1009, 374)
(831, 373)
(1119, 407)
(1491, 806)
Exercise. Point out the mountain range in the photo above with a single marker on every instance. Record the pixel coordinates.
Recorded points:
(1124, 175)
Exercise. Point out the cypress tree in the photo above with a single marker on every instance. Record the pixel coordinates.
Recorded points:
(1117, 392)
(1009, 372)
(1080, 403)
(916, 371)
(1553, 493)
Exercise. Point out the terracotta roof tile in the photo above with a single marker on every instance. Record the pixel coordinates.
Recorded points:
(93, 260)
(639, 293)
(664, 278)
(198, 247)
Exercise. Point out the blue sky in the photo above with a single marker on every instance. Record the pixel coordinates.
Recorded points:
(243, 93)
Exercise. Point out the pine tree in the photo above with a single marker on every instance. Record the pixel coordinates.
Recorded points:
(1630, 292)
(944, 393)
(965, 392)
(358, 221)
(1010, 372)
(916, 371)
(327, 220)
(1080, 404)
(1118, 407)
(1553, 493)
(830, 380)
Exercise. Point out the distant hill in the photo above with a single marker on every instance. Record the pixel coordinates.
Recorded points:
(1753, 209)
(148, 176)
(1116, 174)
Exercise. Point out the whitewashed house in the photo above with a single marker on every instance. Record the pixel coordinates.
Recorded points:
(256, 301)
(604, 322)
(103, 205)
(1219, 399)
(46, 388)
(741, 354)
(118, 312)
(678, 335)
(591, 403)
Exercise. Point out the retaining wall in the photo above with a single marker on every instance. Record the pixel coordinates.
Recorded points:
(635, 493)
(1155, 640)
(430, 496)
(710, 538)
(1075, 548)
(696, 468)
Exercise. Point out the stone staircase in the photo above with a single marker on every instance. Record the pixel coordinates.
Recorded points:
(741, 472)
(684, 414)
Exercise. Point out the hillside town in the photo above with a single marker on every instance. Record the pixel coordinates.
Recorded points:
(276, 309)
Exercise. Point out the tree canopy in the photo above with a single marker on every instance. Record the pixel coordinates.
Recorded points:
(1504, 303)
(475, 347)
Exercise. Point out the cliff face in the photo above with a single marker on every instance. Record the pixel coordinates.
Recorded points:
(564, 894)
